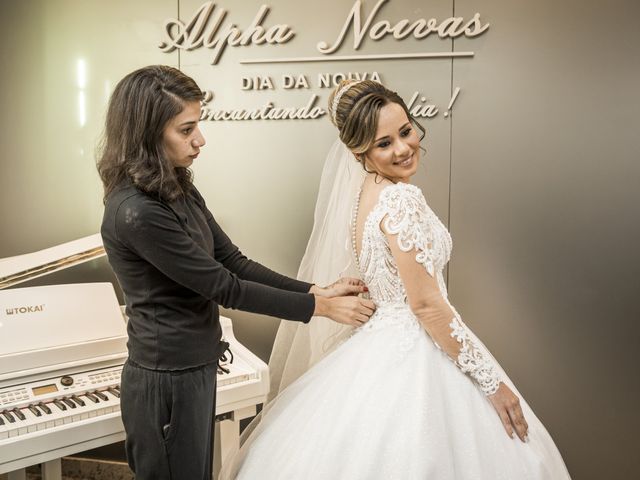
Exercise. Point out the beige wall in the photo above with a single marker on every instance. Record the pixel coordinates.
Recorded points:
(544, 216)
(536, 173)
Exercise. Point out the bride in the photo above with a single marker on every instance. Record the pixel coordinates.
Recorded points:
(412, 394)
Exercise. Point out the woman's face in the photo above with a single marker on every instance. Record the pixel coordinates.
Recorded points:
(182, 138)
(396, 150)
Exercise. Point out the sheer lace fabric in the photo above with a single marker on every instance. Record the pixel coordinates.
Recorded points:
(386, 403)
(404, 212)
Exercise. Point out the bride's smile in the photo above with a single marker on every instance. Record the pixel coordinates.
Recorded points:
(395, 152)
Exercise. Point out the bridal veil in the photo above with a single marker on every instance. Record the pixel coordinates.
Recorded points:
(328, 256)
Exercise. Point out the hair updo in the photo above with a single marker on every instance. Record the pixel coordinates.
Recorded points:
(356, 112)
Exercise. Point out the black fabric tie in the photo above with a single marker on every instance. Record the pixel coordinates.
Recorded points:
(224, 358)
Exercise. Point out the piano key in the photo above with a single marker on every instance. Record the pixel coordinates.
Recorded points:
(31, 420)
(42, 422)
(69, 403)
(9, 417)
(34, 410)
(113, 392)
(239, 371)
(91, 397)
(56, 418)
(101, 395)
(39, 417)
(22, 425)
(69, 416)
(19, 414)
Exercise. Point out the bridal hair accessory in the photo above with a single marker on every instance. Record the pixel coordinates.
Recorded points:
(338, 96)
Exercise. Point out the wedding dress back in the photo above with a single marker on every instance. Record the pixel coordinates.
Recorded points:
(387, 402)
(376, 263)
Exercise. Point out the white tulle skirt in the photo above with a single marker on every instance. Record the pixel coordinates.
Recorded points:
(387, 404)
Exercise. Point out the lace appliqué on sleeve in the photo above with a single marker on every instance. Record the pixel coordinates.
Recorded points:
(472, 360)
(408, 218)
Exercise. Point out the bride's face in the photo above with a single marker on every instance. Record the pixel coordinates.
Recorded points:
(396, 150)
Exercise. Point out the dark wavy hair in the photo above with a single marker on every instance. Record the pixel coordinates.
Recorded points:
(131, 148)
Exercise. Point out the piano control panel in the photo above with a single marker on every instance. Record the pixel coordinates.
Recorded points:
(57, 401)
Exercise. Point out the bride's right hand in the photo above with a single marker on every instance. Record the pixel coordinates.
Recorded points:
(350, 310)
(507, 404)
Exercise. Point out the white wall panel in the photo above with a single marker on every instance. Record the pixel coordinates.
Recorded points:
(61, 59)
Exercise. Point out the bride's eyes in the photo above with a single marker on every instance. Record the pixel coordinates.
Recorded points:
(404, 133)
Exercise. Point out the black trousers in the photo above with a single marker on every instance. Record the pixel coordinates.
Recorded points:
(168, 419)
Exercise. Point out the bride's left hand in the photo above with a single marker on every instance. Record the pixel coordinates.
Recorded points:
(507, 405)
(340, 288)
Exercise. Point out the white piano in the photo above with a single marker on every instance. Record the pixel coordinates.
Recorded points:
(62, 348)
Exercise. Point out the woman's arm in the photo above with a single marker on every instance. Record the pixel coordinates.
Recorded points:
(351, 311)
(440, 321)
(410, 240)
(151, 231)
(235, 261)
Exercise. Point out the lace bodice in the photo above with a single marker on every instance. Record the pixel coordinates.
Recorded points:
(406, 209)
(403, 211)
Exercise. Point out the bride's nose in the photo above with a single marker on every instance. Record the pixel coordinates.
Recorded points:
(402, 149)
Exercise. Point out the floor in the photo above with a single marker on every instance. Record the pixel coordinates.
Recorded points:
(106, 463)
(81, 469)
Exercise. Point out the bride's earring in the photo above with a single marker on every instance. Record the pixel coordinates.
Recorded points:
(363, 161)
(364, 165)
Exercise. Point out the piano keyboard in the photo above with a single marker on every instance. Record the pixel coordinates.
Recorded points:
(50, 403)
(44, 405)
(239, 371)
(45, 417)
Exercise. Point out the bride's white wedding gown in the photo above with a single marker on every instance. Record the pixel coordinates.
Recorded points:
(388, 403)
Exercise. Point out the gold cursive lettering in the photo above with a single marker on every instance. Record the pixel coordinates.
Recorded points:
(198, 32)
(451, 27)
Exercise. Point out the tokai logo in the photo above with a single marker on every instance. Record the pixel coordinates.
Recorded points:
(28, 309)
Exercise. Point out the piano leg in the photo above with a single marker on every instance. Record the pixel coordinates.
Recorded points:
(17, 475)
(229, 443)
(229, 438)
(52, 470)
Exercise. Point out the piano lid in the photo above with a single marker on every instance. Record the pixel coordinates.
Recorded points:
(42, 327)
(21, 268)
(58, 324)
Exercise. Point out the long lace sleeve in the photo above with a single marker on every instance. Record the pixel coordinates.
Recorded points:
(420, 243)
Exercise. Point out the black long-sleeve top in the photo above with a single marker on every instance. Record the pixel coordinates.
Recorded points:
(175, 266)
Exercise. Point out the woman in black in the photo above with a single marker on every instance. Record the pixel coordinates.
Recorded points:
(175, 266)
